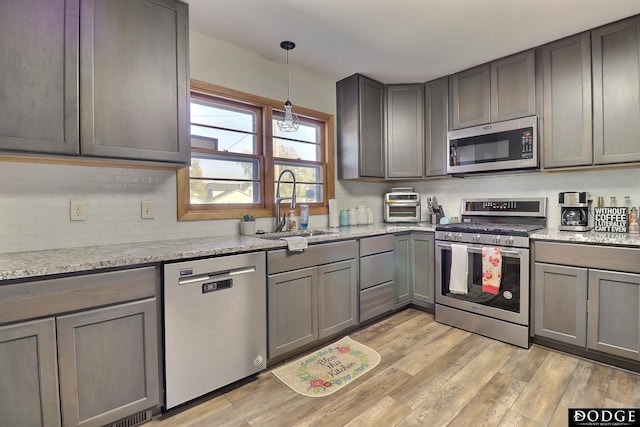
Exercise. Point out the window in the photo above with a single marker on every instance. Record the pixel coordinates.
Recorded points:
(238, 153)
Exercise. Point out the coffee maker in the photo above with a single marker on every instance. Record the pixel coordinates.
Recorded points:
(574, 211)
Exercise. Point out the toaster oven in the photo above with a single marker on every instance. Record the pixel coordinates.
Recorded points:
(402, 205)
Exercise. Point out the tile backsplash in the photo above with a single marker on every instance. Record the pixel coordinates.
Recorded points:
(34, 201)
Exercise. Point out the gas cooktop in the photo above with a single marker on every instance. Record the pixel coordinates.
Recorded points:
(507, 217)
(490, 228)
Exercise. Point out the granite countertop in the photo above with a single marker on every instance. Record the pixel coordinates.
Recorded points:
(21, 265)
(588, 237)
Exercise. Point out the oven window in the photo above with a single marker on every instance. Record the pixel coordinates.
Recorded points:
(508, 298)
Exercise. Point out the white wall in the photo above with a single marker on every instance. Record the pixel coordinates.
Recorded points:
(34, 198)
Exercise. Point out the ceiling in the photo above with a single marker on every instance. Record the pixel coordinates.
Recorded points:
(397, 41)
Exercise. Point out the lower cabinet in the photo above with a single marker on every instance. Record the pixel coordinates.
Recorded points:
(402, 269)
(423, 268)
(29, 374)
(377, 286)
(614, 313)
(108, 363)
(590, 308)
(415, 269)
(560, 300)
(90, 367)
(309, 304)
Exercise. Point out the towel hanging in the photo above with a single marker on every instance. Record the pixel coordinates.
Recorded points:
(459, 269)
(491, 270)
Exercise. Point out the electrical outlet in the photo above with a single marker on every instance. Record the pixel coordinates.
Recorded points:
(147, 211)
(78, 210)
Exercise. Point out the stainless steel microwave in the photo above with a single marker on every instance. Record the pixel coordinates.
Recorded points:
(507, 145)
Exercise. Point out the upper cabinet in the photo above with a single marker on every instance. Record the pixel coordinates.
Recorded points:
(616, 84)
(402, 136)
(436, 119)
(405, 131)
(501, 90)
(134, 79)
(96, 78)
(566, 113)
(39, 90)
(470, 97)
(360, 111)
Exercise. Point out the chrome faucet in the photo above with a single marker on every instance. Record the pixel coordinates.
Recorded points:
(280, 222)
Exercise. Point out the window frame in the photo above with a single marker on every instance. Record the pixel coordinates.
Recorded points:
(195, 212)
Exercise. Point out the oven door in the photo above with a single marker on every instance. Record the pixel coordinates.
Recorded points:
(512, 301)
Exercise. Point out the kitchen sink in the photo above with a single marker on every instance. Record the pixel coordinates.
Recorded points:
(303, 233)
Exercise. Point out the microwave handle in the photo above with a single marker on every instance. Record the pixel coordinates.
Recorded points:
(475, 250)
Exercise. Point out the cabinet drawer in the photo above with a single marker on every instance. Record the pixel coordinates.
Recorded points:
(30, 300)
(376, 244)
(591, 256)
(376, 269)
(283, 260)
(377, 300)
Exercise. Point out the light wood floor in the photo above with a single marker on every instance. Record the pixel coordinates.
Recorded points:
(430, 375)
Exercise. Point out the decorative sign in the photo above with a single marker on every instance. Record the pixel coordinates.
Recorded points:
(611, 220)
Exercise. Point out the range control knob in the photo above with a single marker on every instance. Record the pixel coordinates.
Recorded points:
(476, 238)
(497, 239)
(509, 240)
(459, 236)
(448, 236)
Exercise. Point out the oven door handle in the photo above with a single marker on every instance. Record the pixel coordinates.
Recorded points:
(476, 250)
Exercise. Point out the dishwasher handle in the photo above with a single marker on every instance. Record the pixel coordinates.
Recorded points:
(201, 278)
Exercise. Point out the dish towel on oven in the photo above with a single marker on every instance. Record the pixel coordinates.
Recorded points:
(459, 267)
(491, 269)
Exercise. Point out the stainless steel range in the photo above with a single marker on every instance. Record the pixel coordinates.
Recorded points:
(482, 267)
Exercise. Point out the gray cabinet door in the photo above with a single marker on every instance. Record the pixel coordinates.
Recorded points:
(38, 65)
(513, 87)
(360, 122)
(436, 105)
(567, 137)
(371, 153)
(337, 297)
(560, 298)
(134, 79)
(402, 269)
(405, 131)
(423, 268)
(28, 374)
(616, 84)
(108, 363)
(292, 310)
(470, 93)
(614, 313)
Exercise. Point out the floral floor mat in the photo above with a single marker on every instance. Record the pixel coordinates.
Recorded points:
(328, 369)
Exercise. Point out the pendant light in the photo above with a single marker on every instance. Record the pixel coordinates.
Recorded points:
(290, 122)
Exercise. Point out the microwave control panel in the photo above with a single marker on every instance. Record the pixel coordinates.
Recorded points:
(527, 144)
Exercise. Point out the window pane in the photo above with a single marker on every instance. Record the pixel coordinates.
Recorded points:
(223, 116)
(223, 140)
(306, 132)
(296, 150)
(219, 168)
(223, 192)
(309, 182)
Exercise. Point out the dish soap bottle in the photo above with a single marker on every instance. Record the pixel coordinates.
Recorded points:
(293, 223)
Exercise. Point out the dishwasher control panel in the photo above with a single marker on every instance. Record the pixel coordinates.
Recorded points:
(216, 286)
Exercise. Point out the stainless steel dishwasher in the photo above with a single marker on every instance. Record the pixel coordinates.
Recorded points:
(215, 324)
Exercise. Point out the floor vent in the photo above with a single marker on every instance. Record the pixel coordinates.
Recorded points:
(133, 420)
